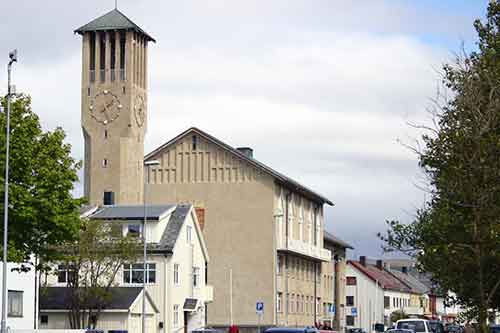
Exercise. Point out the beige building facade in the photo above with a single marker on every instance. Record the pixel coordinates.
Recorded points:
(263, 230)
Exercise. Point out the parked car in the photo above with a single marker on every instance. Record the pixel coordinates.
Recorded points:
(494, 328)
(436, 326)
(395, 330)
(356, 330)
(417, 325)
(292, 330)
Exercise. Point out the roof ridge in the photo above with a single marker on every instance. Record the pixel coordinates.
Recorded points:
(277, 175)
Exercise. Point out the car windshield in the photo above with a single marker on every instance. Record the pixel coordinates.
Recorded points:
(417, 325)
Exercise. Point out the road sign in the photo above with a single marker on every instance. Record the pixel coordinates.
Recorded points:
(354, 312)
(332, 308)
(259, 307)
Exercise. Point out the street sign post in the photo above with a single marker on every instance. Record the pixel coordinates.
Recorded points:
(259, 309)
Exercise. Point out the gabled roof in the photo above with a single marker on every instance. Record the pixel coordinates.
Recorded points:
(121, 298)
(335, 240)
(416, 286)
(173, 228)
(113, 20)
(279, 177)
(131, 212)
(385, 279)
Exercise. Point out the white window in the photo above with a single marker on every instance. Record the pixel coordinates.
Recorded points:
(65, 273)
(132, 274)
(15, 306)
(176, 315)
(176, 274)
(188, 234)
(279, 300)
(196, 277)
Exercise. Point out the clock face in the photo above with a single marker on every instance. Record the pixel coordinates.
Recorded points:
(140, 110)
(105, 107)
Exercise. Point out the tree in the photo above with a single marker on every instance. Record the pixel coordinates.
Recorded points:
(398, 315)
(92, 263)
(42, 173)
(456, 235)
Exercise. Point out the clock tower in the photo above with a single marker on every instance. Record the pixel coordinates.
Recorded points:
(114, 108)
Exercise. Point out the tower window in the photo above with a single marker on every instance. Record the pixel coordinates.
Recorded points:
(105, 163)
(105, 134)
(88, 91)
(92, 57)
(122, 56)
(195, 142)
(124, 90)
(102, 56)
(112, 59)
(109, 198)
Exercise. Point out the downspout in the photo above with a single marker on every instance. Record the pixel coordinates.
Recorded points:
(315, 292)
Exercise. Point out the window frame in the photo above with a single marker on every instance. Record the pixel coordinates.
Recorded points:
(129, 269)
(196, 277)
(10, 303)
(175, 322)
(177, 276)
(347, 303)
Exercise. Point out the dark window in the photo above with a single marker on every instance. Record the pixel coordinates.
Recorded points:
(134, 230)
(15, 303)
(349, 320)
(122, 57)
(195, 142)
(88, 91)
(350, 280)
(44, 319)
(112, 45)
(349, 301)
(387, 302)
(65, 273)
(102, 56)
(109, 198)
(105, 134)
(105, 163)
(92, 51)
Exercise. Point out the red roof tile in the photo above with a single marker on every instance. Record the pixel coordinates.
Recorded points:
(386, 280)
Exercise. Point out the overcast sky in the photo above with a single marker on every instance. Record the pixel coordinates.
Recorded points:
(322, 90)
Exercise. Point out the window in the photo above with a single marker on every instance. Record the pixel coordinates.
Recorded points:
(350, 280)
(387, 302)
(188, 234)
(65, 273)
(134, 273)
(279, 301)
(279, 269)
(44, 319)
(92, 57)
(176, 315)
(349, 301)
(102, 58)
(292, 304)
(195, 142)
(196, 277)
(349, 320)
(112, 62)
(15, 306)
(176, 274)
(105, 134)
(105, 163)
(134, 230)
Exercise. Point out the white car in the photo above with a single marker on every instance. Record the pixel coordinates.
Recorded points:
(417, 325)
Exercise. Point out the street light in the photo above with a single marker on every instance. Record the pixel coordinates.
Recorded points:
(147, 164)
(3, 327)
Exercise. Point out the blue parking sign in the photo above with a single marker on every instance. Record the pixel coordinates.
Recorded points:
(332, 308)
(259, 307)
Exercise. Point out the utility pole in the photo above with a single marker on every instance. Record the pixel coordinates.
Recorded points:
(3, 328)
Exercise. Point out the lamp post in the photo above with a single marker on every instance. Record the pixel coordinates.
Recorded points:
(147, 164)
(12, 59)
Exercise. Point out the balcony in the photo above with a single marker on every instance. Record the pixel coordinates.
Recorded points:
(306, 249)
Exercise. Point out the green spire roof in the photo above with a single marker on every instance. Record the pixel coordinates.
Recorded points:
(114, 20)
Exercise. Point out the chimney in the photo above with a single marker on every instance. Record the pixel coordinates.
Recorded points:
(380, 265)
(362, 260)
(404, 269)
(247, 151)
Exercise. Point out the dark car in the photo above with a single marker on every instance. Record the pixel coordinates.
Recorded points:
(399, 330)
(436, 326)
(494, 328)
(291, 330)
(356, 330)
(453, 328)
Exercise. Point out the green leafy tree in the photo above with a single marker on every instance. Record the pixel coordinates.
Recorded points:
(456, 235)
(42, 210)
(398, 315)
(93, 262)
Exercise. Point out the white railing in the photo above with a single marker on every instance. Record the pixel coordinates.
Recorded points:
(307, 249)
